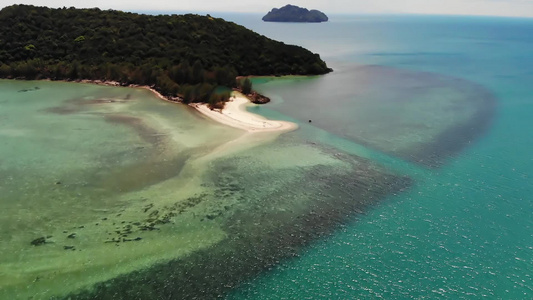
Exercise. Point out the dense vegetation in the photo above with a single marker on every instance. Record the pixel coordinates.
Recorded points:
(180, 55)
(291, 13)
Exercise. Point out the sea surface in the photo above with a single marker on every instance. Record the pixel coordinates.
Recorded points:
(410, 175)
(465, 230)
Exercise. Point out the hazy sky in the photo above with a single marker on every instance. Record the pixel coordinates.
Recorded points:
(469, 7)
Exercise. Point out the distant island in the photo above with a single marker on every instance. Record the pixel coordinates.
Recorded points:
(183, 57)
(292, 13)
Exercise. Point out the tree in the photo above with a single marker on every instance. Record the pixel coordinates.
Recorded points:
(246, 86)
(187, 94)
(187, 55)
(197, 72)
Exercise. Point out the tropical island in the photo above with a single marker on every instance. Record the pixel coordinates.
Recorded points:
(292, 13)
(187, 58)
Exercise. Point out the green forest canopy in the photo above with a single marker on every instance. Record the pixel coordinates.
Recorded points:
(180, 55)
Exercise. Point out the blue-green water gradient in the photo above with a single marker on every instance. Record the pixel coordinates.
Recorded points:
(465, 229)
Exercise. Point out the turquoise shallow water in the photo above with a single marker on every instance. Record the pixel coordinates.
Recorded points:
(111, 192)
(77, 163)
(444, 100)
(466, 229)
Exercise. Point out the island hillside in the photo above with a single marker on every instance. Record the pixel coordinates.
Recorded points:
(186, 56)
(292, 13)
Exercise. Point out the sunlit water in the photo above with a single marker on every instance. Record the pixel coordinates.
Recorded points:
(465, 229)
(412, 180)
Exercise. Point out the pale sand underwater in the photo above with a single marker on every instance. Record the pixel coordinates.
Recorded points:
(117, 181)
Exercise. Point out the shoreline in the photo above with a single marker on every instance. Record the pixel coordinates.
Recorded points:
(234, 113)
(118, 84)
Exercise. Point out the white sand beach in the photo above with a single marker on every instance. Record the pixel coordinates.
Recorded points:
(235, 115)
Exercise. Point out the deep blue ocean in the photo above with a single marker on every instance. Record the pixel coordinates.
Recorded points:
(465, 230)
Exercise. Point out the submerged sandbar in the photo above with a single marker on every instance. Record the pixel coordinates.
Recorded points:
(141, 197)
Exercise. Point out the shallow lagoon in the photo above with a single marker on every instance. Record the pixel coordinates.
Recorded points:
(78, 159)
(118, 181)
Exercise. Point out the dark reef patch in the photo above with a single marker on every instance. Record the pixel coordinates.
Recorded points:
(155, 167)
(100, 101)
(264, 227)
(63, 110)
(418, 116)
(457, 137)
(150, 170)
(142, 174)
(29, 90)
(77, 105)
(147, 133)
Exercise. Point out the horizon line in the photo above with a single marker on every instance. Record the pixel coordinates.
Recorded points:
(203, 12)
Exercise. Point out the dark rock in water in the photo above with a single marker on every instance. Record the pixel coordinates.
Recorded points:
(29, 90)
(72, 235)
(58, 182)
(148, 227)
(39, 241)
(69, 248)
(131, 240)
(148, 207)
(291, 13)
(258, 98)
